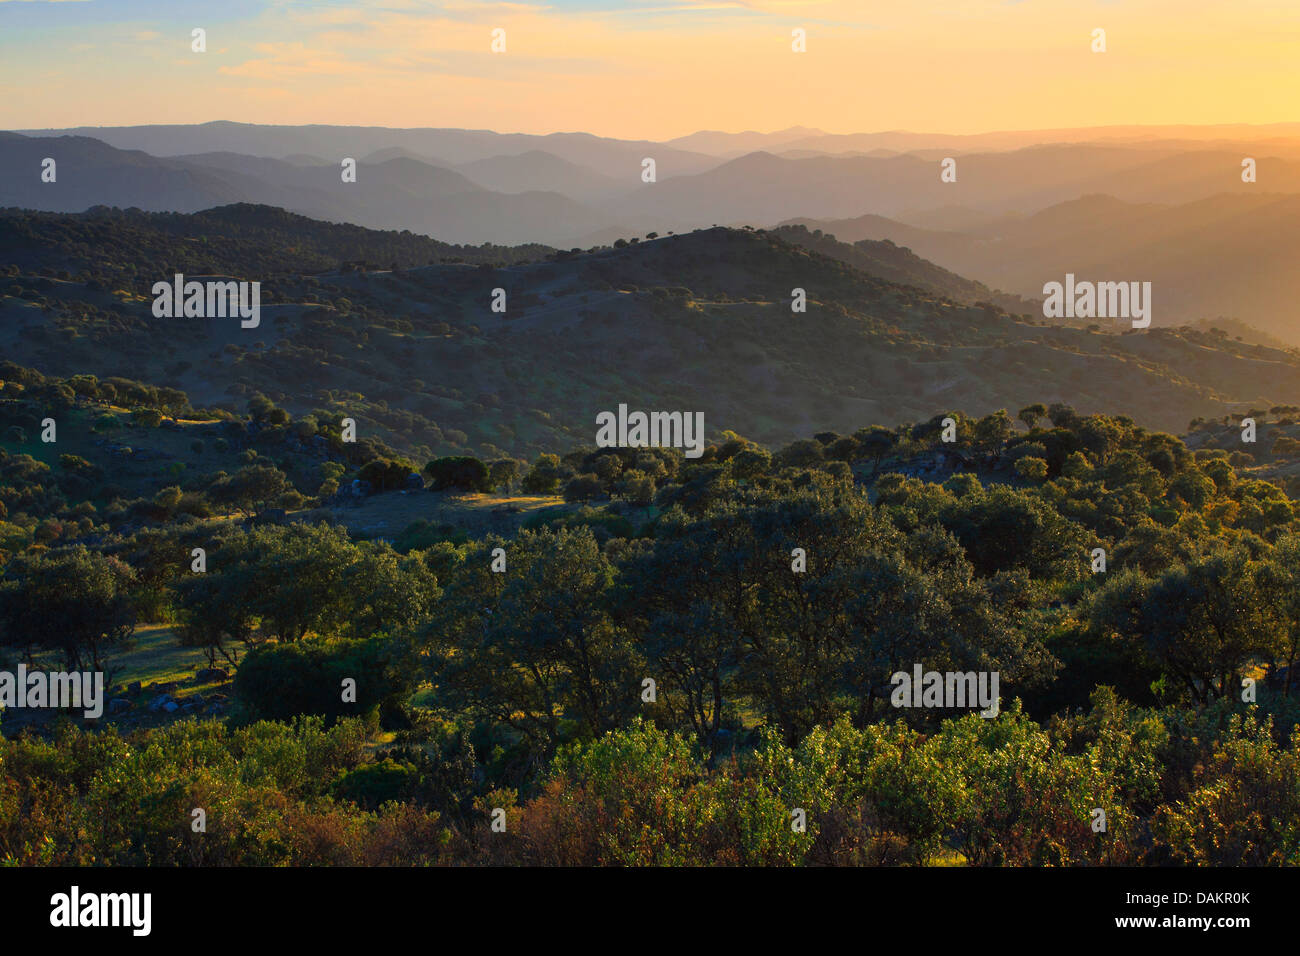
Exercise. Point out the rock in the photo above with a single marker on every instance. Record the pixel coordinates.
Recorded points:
(210, 674)
(133, 687)
(171, 706)
(159, 702)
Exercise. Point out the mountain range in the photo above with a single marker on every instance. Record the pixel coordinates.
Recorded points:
(1223, 256)
(1166, 204)
(399, 332)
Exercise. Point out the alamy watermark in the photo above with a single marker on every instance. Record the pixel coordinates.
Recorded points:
(1098, 300)
(951, 689)
(71, 689)
(208, 300)
(75, 908)
(651, 430)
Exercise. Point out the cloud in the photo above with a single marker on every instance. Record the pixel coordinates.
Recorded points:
(656, 68)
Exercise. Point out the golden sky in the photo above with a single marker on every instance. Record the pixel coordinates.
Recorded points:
(651, 68)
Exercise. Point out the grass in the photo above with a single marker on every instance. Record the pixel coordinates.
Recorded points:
(387, 515)
(75, 435)
(154, 658)
(424, 698)
(947, 857)
(157, 658)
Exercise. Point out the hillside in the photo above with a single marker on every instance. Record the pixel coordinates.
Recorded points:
(568, 189)
(896, 263)
(762, 188)
(399, 192)
(974, 553)
(698, 322)
(1227, 255)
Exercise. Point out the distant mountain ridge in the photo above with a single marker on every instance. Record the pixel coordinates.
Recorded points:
(610, 157)
(398, 193)
(1227, 255)
(1177, 212)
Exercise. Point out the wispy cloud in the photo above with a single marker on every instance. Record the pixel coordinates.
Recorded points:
(651, 68)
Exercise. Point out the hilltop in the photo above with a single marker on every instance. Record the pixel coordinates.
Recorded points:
(399, 332)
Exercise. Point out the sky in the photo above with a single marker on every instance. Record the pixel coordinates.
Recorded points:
(651, 69)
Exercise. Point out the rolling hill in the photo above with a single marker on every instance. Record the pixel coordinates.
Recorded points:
(395, 193)
(698, 322)
(1228, 255)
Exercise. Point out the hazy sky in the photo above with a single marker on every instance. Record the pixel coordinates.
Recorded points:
(651, 68)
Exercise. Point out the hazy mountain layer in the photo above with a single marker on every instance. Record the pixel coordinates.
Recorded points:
(1230, 255)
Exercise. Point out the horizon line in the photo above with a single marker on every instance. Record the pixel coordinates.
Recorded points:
(814, 131)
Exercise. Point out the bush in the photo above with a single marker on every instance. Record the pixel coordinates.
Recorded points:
(584, 488)
(545, 475)
(281, 681)
(146, 417)
(458, 472)
(386, 474)
(1034, 469)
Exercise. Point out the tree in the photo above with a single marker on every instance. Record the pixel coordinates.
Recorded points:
(283, 681)
(1206, 621)
(251, 488)
(800, 454)
(1284, 447)
(1279, 583)
(545, 475)
(1034, 469)
(293, 580)
(1030, 414)
(808, 644)
(386, 474)
(1007, 528)
(1062, 415)
(502, 473)
(876, 442)
(584, 488)
(260, 408)
(73, 601)
(547, 651)
(992, 431)
(458, 473)
(146, 417)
